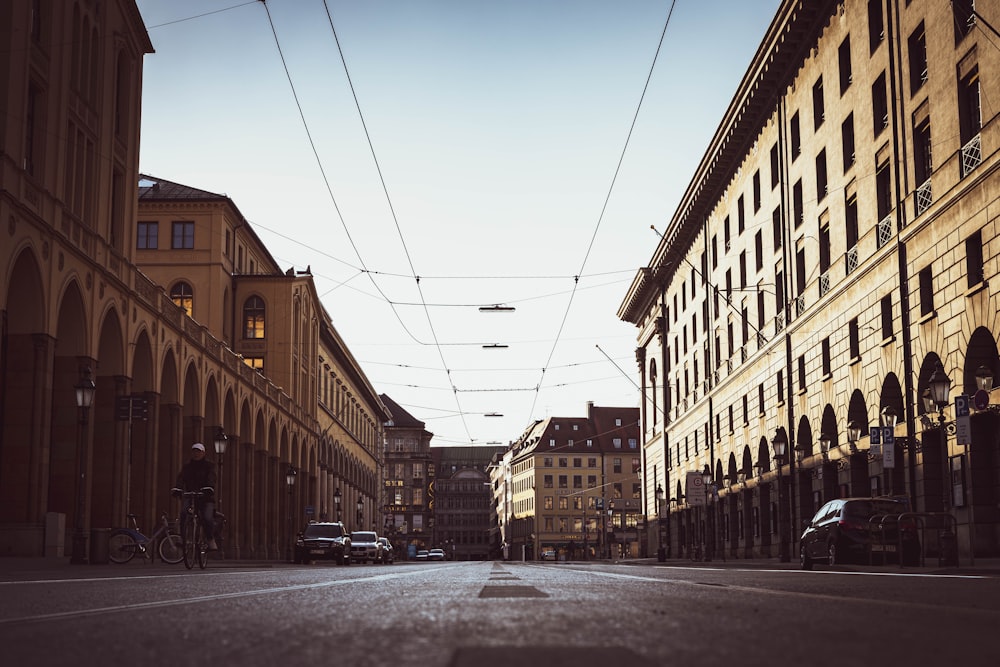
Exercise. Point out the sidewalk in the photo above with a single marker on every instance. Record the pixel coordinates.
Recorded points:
(981, 566)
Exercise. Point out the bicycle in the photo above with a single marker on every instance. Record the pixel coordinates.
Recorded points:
(195, 546)
(125, 543)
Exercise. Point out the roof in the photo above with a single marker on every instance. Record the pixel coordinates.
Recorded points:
(400, 417)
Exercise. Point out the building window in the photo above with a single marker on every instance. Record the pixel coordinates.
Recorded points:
(827, 365)
(616, 465)
(776, 228)
(183, 236)
(563, 462)
(819, 110)
(547, 503)
(147, 235)
(974, 259)
(547, 481)
(256, 363)
(798, 212)
(844, 57)
(886, 317)
(590, 443)
(781, 386)
(922, 164)
(854, 338)
(253, 318)
(796, 136)
(926, 291)
(632, 443)
(591, 483)
(824, 250)
(617, 442)
(760, 399)
(969, 110)
(552, 442)
(183, 297)
(851, 223)
(802, 372)
(563, 481)
(876, 26)
(917, 47)
(756, 191)
(577, 481)
(618, 421)
(758, 241)
(741, 216)
(883, 194)
(775, 168)
(847, 141)
(821, 181)
(965, 17)
(880, 105)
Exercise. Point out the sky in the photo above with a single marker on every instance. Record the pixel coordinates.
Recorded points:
(426, 158)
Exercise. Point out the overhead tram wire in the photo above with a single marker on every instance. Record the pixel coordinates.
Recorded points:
(395, 219)
(607, 199)
(326, 181)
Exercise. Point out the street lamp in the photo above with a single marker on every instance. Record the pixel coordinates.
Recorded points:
(84, 399)
(610, 528)
(853, 435)
(221, 441)
(290, 481)
(361, 509)
(780, 443)
(940, 385)
(336, 501)
(661, 554)
(706, 481)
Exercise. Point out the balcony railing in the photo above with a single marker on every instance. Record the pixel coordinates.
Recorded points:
(779, 323)
(852, 259)
(923, 197)
(824, 283)
(972, 155)
(800, 305)
(884, 230)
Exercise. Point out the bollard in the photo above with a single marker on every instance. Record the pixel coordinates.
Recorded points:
(99, 545)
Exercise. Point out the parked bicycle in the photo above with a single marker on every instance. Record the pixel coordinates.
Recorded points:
(125, 543)
(195, 544)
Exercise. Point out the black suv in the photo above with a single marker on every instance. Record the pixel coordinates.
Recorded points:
(324, 541)
(860, 530)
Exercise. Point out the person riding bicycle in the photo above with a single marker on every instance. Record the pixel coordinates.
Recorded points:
(198, 474)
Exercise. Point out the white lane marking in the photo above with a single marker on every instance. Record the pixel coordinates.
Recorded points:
(80, 613)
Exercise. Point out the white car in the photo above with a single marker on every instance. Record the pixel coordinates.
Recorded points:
(435, 554)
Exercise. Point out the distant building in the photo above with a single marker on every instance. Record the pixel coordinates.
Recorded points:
(409, 470)
(462, 501)
(570, 485)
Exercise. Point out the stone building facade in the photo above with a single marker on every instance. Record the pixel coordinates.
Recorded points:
(144, 296)
(832, 260)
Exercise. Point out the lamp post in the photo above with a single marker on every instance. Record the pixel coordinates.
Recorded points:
(706, 533)
(84, 399)
(290, 481)
(221, 441)
(610, 528)
(780, 442)
(336, 501)
(361, 514)
(661, 554)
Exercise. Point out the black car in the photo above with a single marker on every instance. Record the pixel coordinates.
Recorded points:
(860, 530)
(324, 541)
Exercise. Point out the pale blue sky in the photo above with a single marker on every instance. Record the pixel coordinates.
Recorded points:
(498, 127)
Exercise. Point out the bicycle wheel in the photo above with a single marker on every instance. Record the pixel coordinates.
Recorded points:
(190, 541)
(122, 547)
(172, 549)
(202, 546)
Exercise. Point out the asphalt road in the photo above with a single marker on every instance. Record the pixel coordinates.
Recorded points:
(483, 614)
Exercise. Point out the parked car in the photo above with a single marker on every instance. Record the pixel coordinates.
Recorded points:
(435, 554)
(388, 557)
(365, 547)
(858, 529)
(323, 541)
(422, 554)
(549, 554)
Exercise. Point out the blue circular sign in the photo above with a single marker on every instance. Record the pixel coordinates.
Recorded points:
(981, 400)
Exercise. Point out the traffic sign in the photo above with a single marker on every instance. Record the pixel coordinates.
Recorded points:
(981, 400)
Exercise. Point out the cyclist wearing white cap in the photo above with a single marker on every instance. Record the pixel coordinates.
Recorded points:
(198, 474)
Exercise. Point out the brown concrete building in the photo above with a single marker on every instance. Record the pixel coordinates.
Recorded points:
(161, 293)
(570, 486)
(409, 471)
(834, 256)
